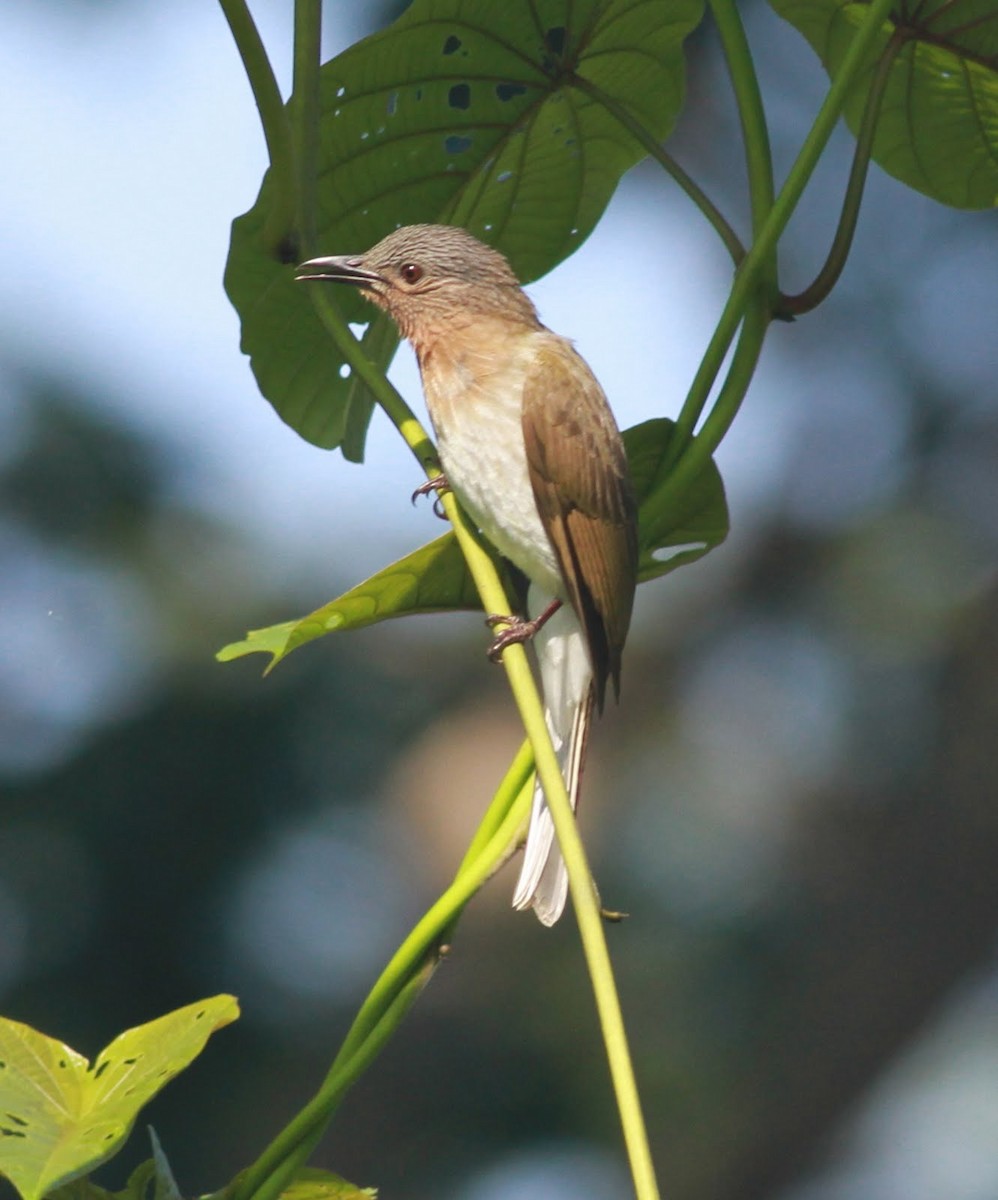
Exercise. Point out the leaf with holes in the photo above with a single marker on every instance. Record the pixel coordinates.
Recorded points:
(462, 113)
(436, 579)
(60, 1117)
(938, 127)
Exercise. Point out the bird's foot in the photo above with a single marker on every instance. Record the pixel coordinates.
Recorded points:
(518, 629)
(436, 485)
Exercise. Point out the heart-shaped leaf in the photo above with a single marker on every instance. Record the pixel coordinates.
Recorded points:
(435, 578)
(60, 1117)
(462, 113)
(938, 127)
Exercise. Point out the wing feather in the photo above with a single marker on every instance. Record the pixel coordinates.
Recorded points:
(582, 486)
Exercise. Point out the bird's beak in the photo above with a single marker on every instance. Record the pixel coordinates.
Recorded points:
(344, 268)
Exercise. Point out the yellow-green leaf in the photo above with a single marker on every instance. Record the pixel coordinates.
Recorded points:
(433, 578)
(313, 1184)
(60, 1117)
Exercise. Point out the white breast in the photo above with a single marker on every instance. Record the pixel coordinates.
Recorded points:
(476, 410)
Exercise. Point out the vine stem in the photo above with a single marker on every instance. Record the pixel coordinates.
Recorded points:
(303, 115)
(398, 986)
(273, 118)
(809, 299)
(689, 453)
(658, 152)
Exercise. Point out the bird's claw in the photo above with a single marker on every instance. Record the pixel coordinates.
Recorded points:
(437, 485)
(517, 631)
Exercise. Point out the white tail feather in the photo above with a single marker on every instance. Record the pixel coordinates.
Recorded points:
(566, 680)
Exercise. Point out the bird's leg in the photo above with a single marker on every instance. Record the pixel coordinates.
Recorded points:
(436, 485)
(520, 629)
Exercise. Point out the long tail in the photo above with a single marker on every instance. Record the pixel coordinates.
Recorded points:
(567, 682)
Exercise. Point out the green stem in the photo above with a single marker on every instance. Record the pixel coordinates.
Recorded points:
(273, 117)
(753, 269)
(755, 132)
(827, 277)
(303, 113)
(664, 159)
(591, 927)
(394, 993)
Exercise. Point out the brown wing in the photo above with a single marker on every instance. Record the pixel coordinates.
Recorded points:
(578, 470)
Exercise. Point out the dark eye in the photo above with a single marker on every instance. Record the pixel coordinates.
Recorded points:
(412, 272)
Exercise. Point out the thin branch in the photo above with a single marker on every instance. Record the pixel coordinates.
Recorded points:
(303, 111)
(273, 117)
(827, 277)
(661, 155)
(753, 269)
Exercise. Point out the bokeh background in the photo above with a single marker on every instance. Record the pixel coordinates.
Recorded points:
(796, 798)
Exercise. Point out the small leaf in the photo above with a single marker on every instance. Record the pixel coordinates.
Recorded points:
(435, 577)
(938, 127)
(60, 1117)
(462, 113)
(431, 579)
(313, 1184)
(692, 525)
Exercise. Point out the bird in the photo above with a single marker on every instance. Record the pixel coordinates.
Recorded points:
(529, 446)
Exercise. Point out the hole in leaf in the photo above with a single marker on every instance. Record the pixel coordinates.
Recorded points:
(130, 1062)
(452, 45)
(664, 553)
(5, 1132)
(344, 371)
(63, 1064)
(101, 1069)
(459, 96)
(340, 91)
(504, 176)
(287, 251)
(506, 91)
(457, 145)
(392, 106)
(554, 39)
(359, 328)
(16, 1119)
(419, 93)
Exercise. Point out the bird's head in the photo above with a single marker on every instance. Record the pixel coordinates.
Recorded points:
(430, 277)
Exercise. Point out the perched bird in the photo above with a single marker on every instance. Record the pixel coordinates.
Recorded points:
(529, 446)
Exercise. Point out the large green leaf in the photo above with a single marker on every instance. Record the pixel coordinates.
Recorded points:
(462, 112)
(435, 578)
(938, 128)
(60, 1117)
